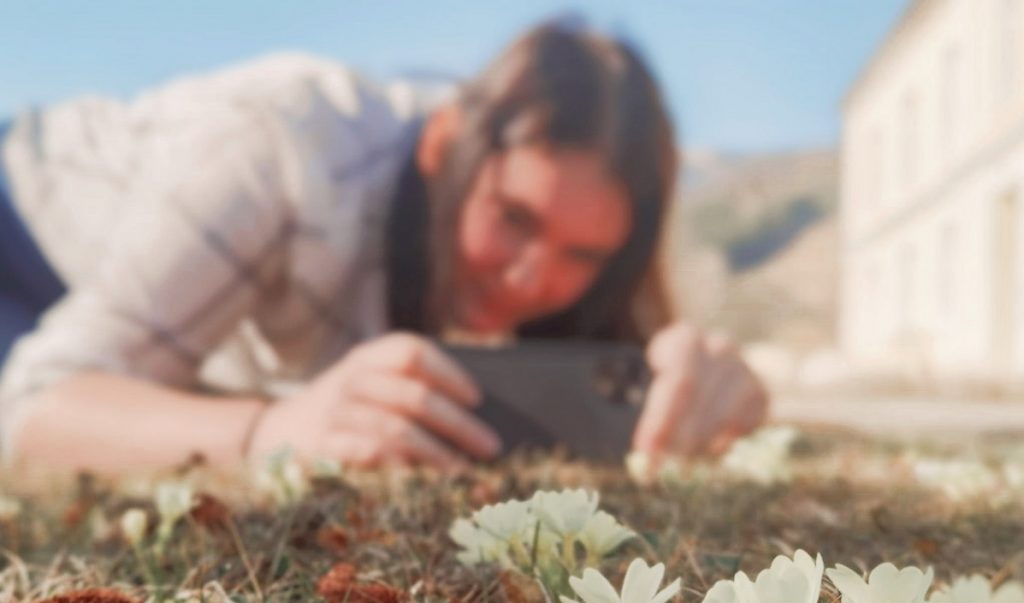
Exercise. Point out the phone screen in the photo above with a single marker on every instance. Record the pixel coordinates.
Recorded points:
(586, 396)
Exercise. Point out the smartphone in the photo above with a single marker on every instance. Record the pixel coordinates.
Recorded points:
(585, 396)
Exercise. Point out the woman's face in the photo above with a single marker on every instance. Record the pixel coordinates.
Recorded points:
(536, 229)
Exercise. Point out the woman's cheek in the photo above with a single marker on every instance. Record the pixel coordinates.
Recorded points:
(571, 282)
(476, 242)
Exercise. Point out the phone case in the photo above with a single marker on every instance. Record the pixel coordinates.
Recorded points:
(585, 396)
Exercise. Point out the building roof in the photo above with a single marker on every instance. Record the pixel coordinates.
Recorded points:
(912, 14)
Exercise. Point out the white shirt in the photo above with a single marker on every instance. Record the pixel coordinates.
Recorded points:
(224, 229)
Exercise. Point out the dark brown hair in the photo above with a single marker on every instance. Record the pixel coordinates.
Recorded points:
(567, 87)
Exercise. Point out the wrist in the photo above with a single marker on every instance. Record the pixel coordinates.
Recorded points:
(252, 427)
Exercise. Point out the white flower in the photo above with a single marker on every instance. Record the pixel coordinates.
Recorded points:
(507, 520)
(976, 589)
(724, 591)
(10, 508)
(885, 584)
(639, 586)
(1013, 472)
(762, 457)
(173, 500)
(539, 532)
(283, 478)
(479, 545)
(959, 480)
(294, 479)
(501, 532)
(638, 466)
(1013, 469)
(133, 526)
(796, 580)
(603, 534)
(100, 528)
(642, 471)
(671, 471)
(564, 513)
(326, 468)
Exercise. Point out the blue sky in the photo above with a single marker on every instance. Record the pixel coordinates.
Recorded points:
(739, 75)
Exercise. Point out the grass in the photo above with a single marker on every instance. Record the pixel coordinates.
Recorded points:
(853, 501)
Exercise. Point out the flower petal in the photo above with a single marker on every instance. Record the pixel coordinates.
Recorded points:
(668, 592)
(850, 584)
(722, 592)
(1011, 592)
(594, 587)
(641, 582)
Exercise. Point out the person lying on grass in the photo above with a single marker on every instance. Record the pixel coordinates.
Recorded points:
(289, 220)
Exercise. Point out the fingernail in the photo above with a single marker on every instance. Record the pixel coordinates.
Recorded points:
(492, 444)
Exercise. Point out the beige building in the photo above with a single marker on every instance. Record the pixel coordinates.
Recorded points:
(933, 195)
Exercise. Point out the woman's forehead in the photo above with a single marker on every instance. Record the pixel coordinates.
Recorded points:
(570, 190)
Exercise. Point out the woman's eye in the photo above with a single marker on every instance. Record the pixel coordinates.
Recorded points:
(517, 218)
(589, 259)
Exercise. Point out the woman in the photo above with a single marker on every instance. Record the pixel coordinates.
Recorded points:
(287, 220)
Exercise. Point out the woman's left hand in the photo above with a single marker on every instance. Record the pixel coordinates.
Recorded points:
(703, 395)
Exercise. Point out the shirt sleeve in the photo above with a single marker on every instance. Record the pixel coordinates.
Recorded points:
(203, 237)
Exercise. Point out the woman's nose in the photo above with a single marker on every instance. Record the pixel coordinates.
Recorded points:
(529, 274)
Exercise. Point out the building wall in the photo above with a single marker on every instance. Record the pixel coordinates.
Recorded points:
(933, 195)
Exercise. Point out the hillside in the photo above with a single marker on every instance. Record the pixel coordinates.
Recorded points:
(754, 246)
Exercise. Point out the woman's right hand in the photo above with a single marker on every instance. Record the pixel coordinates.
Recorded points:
(394, 399)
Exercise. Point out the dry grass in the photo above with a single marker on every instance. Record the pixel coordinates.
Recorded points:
(853, 502)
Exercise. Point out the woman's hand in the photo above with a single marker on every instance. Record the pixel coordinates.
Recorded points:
(395, 399)
(703, 396)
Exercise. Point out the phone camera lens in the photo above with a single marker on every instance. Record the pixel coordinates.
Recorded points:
(620, 380)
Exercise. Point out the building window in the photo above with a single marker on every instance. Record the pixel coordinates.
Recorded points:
(909, 160)
(907, 271)
(1009, 50)
(946, 268)
(882, 167)
(949, 102)
(861, 302)
(873, 162)
(1005, 264)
